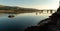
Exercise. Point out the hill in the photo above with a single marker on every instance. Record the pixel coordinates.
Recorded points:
(17, 9)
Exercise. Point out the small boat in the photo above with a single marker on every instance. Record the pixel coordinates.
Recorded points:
(11, 16)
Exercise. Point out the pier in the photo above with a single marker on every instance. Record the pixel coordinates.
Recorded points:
(45, 12)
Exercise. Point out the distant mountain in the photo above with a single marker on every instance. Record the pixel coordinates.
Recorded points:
(13, 8)
(17, 9)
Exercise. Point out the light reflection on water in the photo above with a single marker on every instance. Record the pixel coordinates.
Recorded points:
(20, 21)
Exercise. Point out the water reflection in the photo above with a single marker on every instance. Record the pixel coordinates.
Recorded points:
(19, 22)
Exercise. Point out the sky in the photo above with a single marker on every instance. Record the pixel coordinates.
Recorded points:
(37, 4)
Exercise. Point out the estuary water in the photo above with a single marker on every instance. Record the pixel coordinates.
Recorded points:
(19, 22)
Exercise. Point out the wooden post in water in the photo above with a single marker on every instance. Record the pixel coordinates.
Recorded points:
(47, 11)
(51, 11)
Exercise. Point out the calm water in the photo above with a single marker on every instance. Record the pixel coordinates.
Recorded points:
(20, 21)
